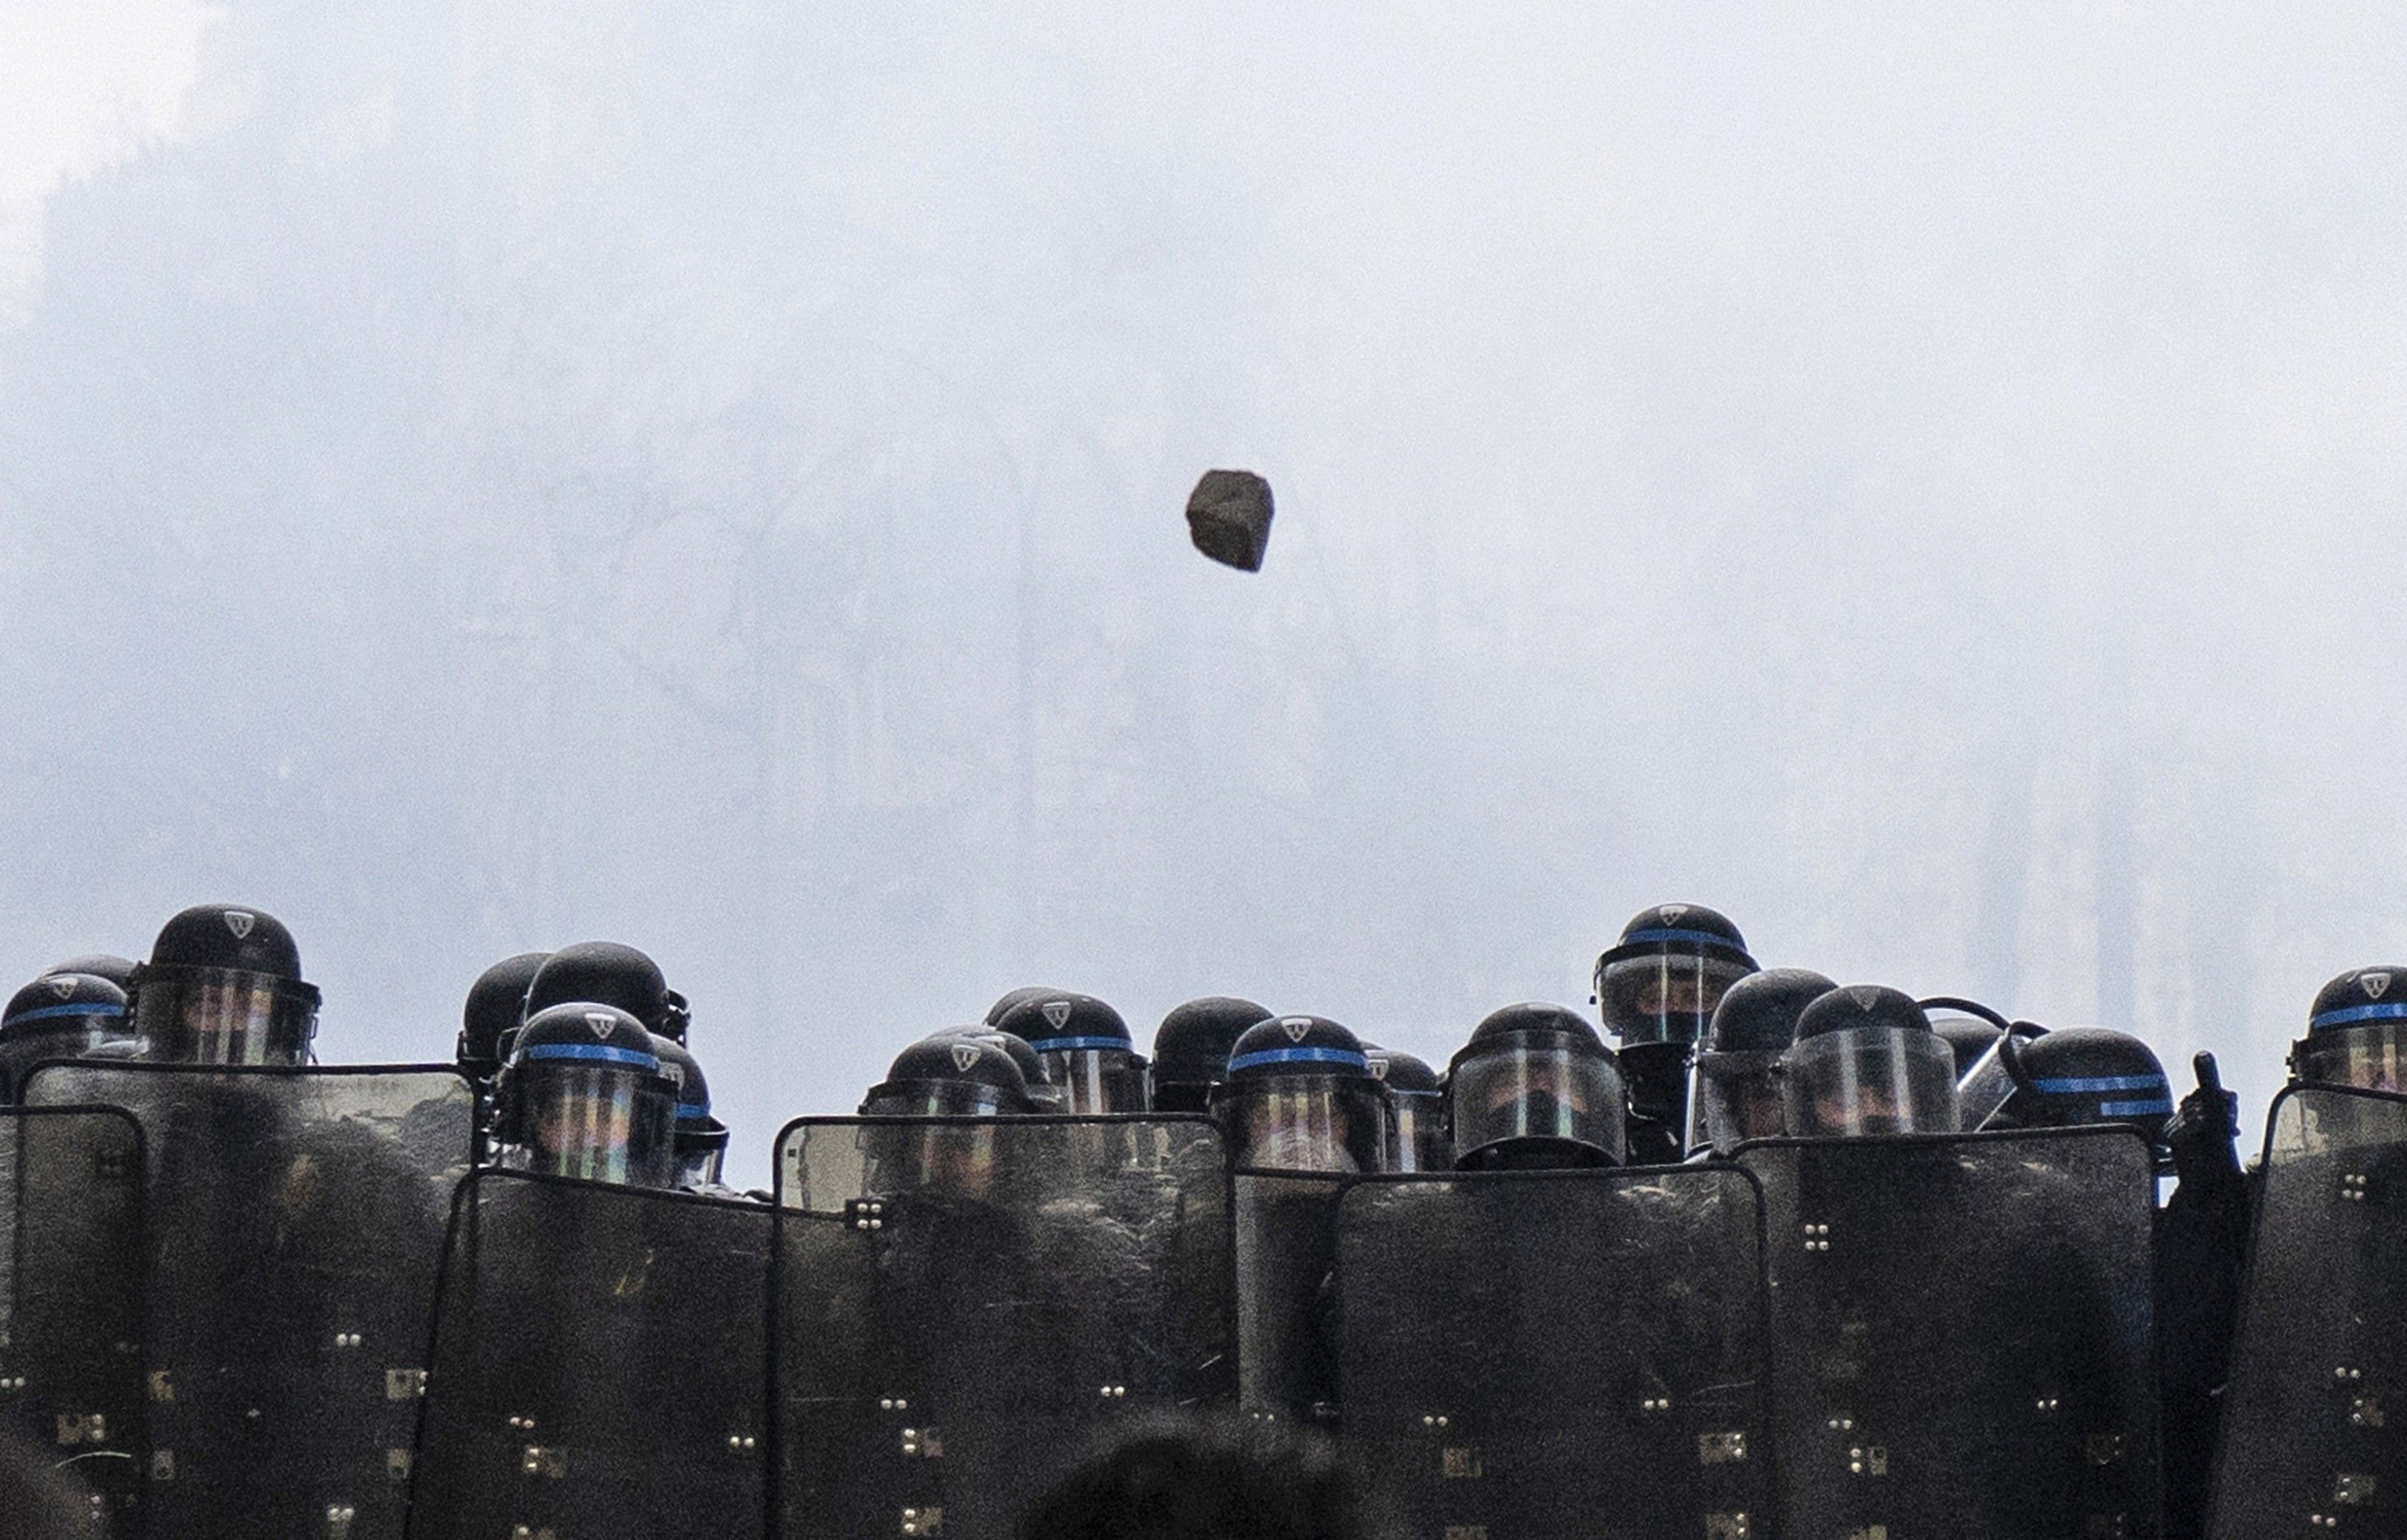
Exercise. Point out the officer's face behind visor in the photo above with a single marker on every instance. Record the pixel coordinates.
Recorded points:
(224, 1015)
(944, 1158)
(1871, 1081)
(1096, 1081)
(1306, 1123)
(1734, 1097)
(598, 1122)
(1664, 998)
(1523, 1092)
(2371, 1057)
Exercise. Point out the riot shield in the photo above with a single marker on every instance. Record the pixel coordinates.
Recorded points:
(600, 1365)
(294, 1224)
(1963, 1333)
(2322, 1345)
(1559, 1354)
(962, 1305)
(1285, 1240)
(70, 1298)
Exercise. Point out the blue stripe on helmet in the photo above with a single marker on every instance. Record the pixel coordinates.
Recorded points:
(692, 1111)
(2390, 1011)
(1071, 1045)
(1703, 938)
(601, 1053)
(2134, 1108)
(1300, 1055)
(81, 1007)
(2078, 1085)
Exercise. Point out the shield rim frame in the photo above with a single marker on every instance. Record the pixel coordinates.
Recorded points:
(782, 1214)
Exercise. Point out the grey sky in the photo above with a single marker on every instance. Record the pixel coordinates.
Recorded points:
(494, 475)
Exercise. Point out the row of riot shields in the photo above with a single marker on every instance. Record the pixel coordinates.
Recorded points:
(217, 1313)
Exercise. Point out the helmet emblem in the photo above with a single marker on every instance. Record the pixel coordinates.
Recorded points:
(1378, 1070)
(239, 922)
(966, 1054)
(63, 986)
(2376, 984)
(1672, 912)
(1057, 1013)
(1295, 1027)
(1865, 998)
(601, 1021)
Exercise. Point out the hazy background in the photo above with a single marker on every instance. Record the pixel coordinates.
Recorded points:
(480, 477)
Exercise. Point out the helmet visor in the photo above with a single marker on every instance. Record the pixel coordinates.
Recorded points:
(1304, 1122)
(224, 1015)
(2371, 1057)
(700, 1153)
(1734, 1097)
(1416, 1138)
(937, 1099)
(1983, 1091)
(955, 1156)
(1870, 1080)
(83, 1035)
(1538, 1091)
(1096, 1081)
(1666, 997)
(598, 1122)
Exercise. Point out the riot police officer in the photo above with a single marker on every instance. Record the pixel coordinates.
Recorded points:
(946, 1077)
(697, 1141)
(1086, 1049)
(1191, 1050)
(1656, 988)
(1299, 1096)
(1734, 1090)
(1416, 1111)
(584, 1094)
(2068, 1079)
(608, 974)
(1535, 1089)
(2357, 1032)
(223, 985)
(1866, 1062)
(59, 1016)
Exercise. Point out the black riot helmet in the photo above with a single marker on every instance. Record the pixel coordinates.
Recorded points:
(2357, 1032)
(497, 1004)
(950, 1076)
(1866, 1062)
(1299, 1096)
(1968, 1028)
(1002, 1008)
(1086, 1049)
(59, 1016)
(223, 985)
(607, 973)
(1535, 1089)
(1043, 1094)
(1191, 1050)
(2068, 1078)
(584, 1094)
(1416, 1107)
(1660, 981)
(1734, 1080)
(698, 1141)
(100, 964)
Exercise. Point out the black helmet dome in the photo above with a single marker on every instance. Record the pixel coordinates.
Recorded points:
(950, 1074)
(1015, 1047)
(1678, 927)
(2079, 1075)
(1061, 1021)
(591, 1031)
(1533, 1016)
(1002, 1008)
(1404, 1074)
(1857, 1008)
(63, 1002)
(497, 1004)
(227, 936)
(1191, 1045)
(100, 964)
(1758, 1013)
(2359, 995)
(601, 973)
(1297, 1045)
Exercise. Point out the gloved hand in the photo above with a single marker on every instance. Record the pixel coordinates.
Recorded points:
(2204, 1128)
